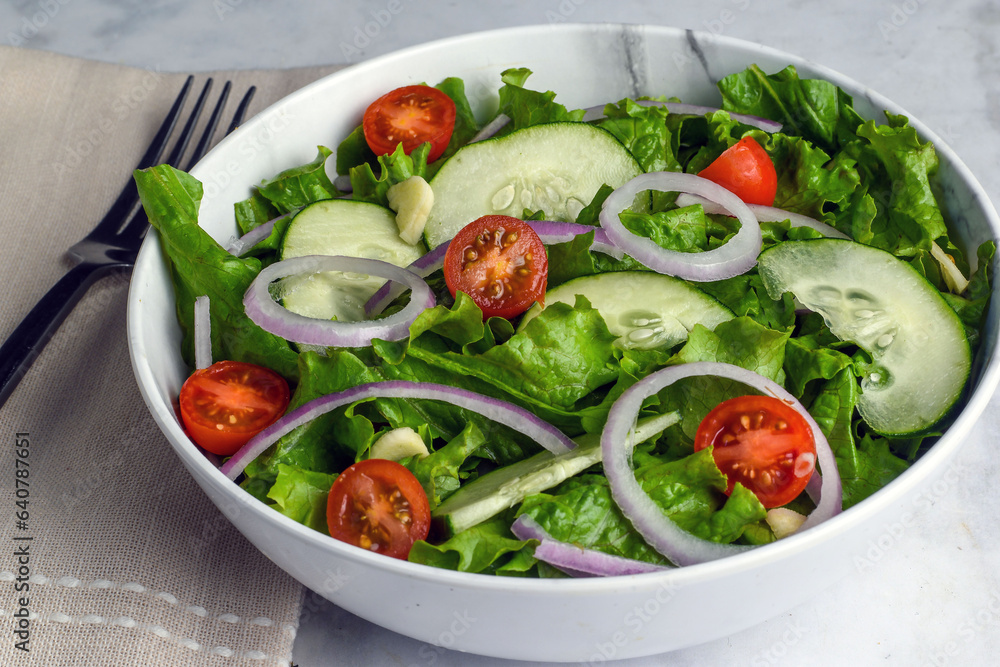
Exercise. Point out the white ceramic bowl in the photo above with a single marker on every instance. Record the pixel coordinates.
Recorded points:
(556, 620)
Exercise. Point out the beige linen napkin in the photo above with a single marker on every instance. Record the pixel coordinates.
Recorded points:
(128, 562)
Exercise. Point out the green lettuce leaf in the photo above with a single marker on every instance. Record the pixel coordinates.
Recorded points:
(812, 108)
(527, 107)
(485, 548)
(301, 495)
(200, 266)
(298, 186)
(394, 168)
(440, 471)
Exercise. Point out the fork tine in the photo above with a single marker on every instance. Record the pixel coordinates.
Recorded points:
(137, 226)
(129, 195)
(163, 134)
(213, 122)
(188, 131)
(241, 110)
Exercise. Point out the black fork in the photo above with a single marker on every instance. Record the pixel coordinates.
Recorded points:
(114, 243)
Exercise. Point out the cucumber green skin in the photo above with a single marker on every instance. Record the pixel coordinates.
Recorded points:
(556, 168)
(881, 303)
(341, 227)
(646, 310)
(505, 487)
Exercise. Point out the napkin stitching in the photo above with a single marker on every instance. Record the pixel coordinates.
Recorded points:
(133, 587)
(159, 631)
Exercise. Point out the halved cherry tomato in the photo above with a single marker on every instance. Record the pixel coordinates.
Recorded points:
(762, 443)
(500, 262)
(229, 402)
(377, 504)
(746, 170)
(411, 115)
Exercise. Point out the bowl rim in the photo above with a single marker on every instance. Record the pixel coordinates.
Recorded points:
(896, 490)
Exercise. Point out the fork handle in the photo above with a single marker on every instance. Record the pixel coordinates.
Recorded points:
(28, 340)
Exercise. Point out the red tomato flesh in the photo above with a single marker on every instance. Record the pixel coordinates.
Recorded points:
(746, 170)
(411, 116)
(380, 506)
(762, 443)
(226, 404)
(500, 262)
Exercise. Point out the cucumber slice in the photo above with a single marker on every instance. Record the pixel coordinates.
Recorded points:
(556, 168)
(920, 354)
(341, 227)
(645, 310)
(505, 487)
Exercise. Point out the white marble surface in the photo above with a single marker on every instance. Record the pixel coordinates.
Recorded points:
(930, 594)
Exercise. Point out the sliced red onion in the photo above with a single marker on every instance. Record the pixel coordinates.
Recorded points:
(737, 256)
(243, 244)
(678, 545)
(268, 315)
(770, 126)
(502, 412)
(574, 560)
(423, 266)
(767, 214)
(202, 333)
(548, 231)
(551, 232)
(491, 128)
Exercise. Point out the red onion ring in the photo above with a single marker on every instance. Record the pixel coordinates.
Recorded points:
(502, 412)
(737, 256)
(552, 231)
(202, 333)
(767, 214)
(423, 266)
(245, 243)
(678, 545)
(574, 560)
(770, 126)
(271, 317)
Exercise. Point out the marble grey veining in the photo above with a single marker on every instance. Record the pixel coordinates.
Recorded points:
(927, 592)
